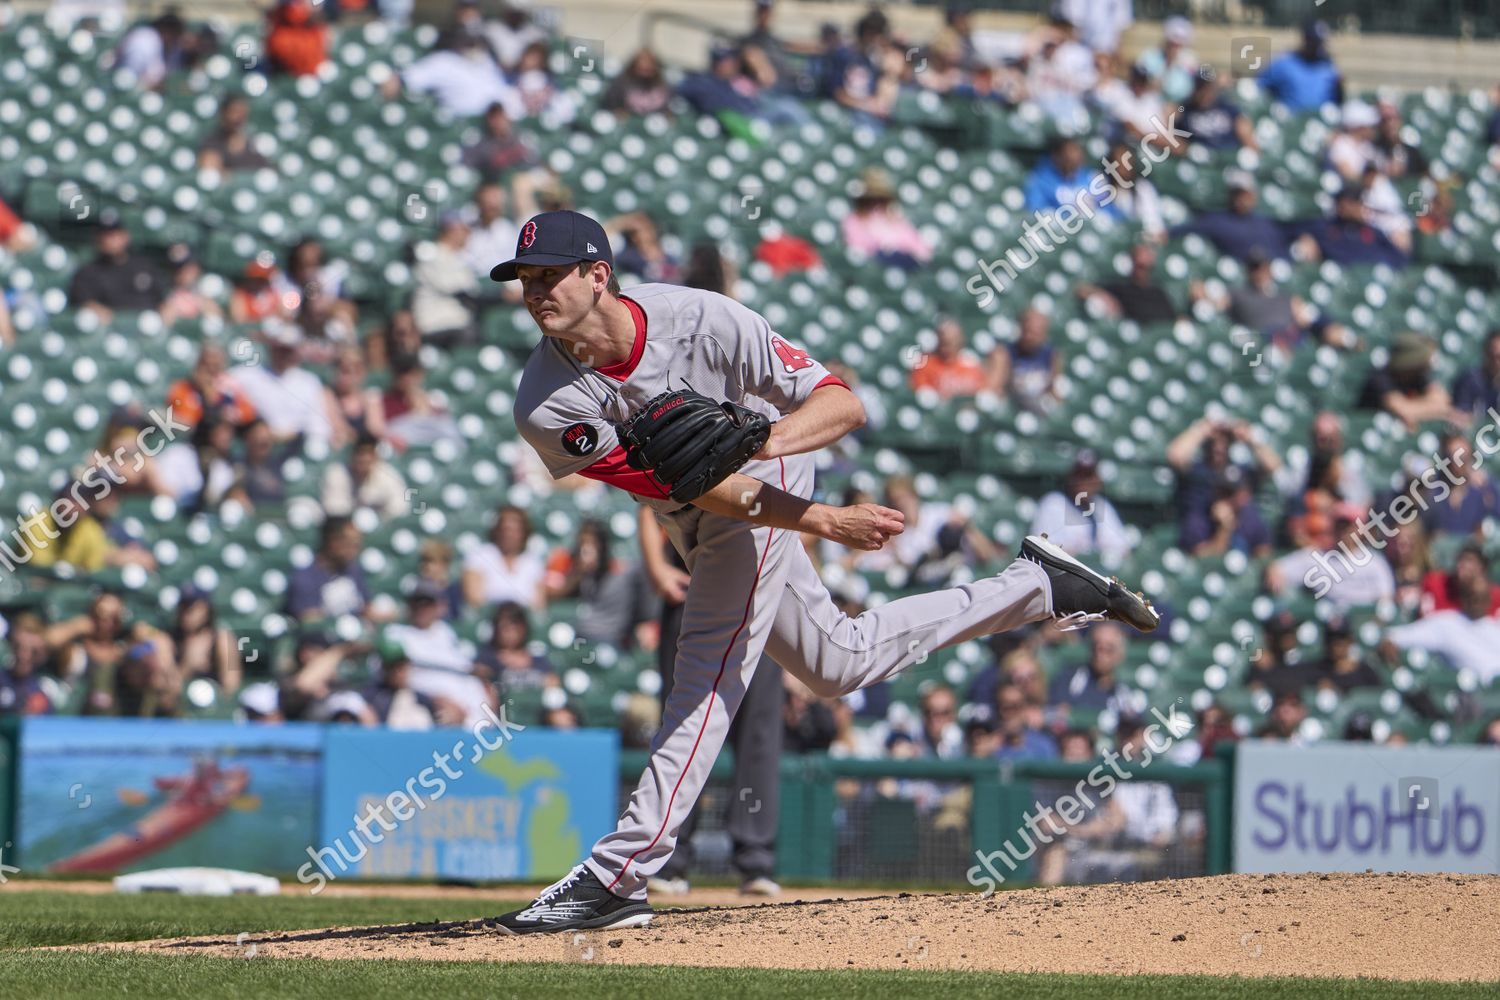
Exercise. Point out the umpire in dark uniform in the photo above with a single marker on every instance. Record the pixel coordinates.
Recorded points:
(755, 734)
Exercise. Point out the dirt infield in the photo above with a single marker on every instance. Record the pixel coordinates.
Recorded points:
(1383, 926)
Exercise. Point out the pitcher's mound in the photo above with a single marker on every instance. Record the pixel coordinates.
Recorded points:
(1384, 926)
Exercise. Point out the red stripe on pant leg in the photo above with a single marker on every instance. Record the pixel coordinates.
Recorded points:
(667, 816)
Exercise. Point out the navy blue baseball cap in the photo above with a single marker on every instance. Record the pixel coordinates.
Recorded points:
(556, 238)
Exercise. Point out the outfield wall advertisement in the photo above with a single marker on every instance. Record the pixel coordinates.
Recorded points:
(1341, 807)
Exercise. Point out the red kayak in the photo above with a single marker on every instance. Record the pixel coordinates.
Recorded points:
(196, 799)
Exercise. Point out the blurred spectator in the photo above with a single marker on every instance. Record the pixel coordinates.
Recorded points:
(1275, 664)
(1283, 319)
(540, 95)
(333, 584)
(1099, 23)
(1301, 470)
(1214, 120)
(710, 270)
(1410, 557)
(1133, 107)
(145, 684)
(810, 722)
(1026, 370)
(356, 407)
(92, 648)
(392, 701)
(938, 539)
(297, 38)
(940, 735)
(951, 369)
(1140, 297)
(778, 51)
(209, 387)
(131, 438)
(1094, 686)
(1347, 574)
(509, 658)
(1059, 70)
(505, 568)
(1441, 589)
(866, 77)
(501, 152)
(115, 279)
(639, 89)
(562, 717)
(877, 228)
(722, 89)
(1465, 637)
(151, 51)
(1396, 157)
(1214, 495)
(435, 565)
(763, 83)
(230, 146)
(1240, 232)
(640, 250)
(258, 477)
(1284, 721)
(1018, 738)
(1342, 668)
(1352, 147)
(21, 689)
(442, 665)
(1125, 839)
(366, 481)
(1174, 64)
(1080, 518)
(86, 536)
(1472, 497)
(199, 473)
(493, 232)
(1215, 726)
(1384, 208)
(412, 416)
(1306, 79)
(315, 293)
(462, 79)
(15, 235)
(396, 338)
(444, 285)
(1061, 178)
(255, 296)
(1476, 391)
(1135, 197)
(1346, 237)
(512, 33)
(942, 69)
(616, 607)
(1490, 735)
(185, 300)
(291, 400)
(200, 646)
(1016, 665)
(1404, 385)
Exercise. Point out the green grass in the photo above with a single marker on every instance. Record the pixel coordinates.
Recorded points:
(29, 919)
(110, 976)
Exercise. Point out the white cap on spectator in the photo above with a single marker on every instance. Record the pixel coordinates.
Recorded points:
(1358, 114)
(343, 701)
(262, 698)
(1178, 29)
(278, 331)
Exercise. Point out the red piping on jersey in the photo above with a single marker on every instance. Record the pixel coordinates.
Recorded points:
(713, 693)
(613, 470)
(831, 380)
(620, 370)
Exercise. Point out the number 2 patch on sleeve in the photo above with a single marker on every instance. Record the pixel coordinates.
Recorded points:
(793, 359)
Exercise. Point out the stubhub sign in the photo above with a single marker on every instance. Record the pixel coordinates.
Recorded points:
(1338, 807)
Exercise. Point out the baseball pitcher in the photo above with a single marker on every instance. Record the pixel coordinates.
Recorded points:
(690, 402)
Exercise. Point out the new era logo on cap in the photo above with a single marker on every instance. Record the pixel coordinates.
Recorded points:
(556, 238)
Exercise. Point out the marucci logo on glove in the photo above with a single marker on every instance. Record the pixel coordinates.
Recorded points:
(580, 439)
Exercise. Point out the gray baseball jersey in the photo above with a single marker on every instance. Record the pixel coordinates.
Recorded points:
(753, 588)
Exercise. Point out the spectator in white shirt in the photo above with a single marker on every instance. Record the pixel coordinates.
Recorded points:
(464, 80)
(150, 51)
(445, 284)
(1099, 23)
(442, 664)
(512, 32)
(1350, 574)
(367, 481)
(1175, 64)
(200, 472)
(505, 568)
(1352, 148)
(492, 232)
(1059, 70)
(292, 401)
(1466, 637)
(1080, 519)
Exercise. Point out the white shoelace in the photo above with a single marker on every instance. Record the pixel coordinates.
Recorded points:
(1079, 620)
(559, 887)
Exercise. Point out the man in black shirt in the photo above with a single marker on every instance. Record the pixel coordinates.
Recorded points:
(1138, 297)
(116, 278)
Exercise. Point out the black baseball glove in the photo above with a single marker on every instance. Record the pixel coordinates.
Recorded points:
(691, 443)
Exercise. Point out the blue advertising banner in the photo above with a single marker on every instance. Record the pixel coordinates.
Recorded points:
(444, 804)
(116, 795)
(1341, 807)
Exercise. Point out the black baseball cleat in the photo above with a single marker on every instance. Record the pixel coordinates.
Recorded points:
(578, 902)
(1081, 596)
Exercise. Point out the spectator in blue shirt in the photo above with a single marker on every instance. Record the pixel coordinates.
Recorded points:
(1095, 685)
(1307, 79)
(1347, 238)
(333, 584)
(1240, 232)
(1477, 390)
(1018, 740)
(1213, 119)
(1471, 500)
(1060, 179)
(1215, 506)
